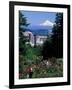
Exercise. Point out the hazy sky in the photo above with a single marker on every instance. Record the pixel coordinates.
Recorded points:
(37, 17)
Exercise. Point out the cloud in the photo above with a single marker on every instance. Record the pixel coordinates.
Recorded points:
(47, 23)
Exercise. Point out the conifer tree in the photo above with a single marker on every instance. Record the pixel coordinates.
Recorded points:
(57, 37)
(22, 38)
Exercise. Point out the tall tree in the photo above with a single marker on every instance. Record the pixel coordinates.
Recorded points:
(22, 39)
(57, 37)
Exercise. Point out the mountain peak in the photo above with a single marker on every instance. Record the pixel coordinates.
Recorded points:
(47, 23)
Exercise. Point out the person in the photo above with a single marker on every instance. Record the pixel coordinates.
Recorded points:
(30, 72)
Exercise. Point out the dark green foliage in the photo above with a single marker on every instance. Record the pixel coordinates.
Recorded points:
(57, 37)
(48, 50)
(21, 63)
(53, 60)
(32, 53)
(22, 19)
(22, 40)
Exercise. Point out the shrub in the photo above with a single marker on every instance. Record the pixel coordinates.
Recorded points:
(53, 61)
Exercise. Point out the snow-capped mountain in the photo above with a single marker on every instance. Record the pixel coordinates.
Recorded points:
(47, 23)
(44, 28)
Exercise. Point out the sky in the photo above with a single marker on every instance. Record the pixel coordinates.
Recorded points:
(38, 18)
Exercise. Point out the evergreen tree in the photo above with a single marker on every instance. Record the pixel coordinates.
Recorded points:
(47, 50)
(57, 37)
(22, 39)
